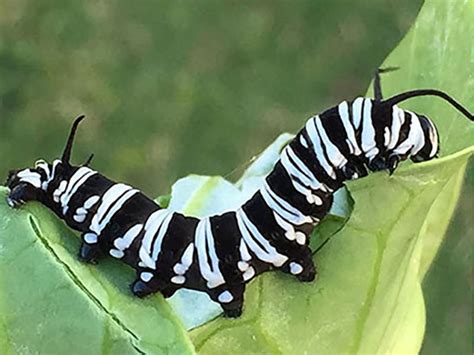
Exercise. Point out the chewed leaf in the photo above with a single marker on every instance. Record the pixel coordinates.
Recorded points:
(72, 305)
(201, 196)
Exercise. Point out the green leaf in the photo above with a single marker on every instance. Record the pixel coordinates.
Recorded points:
(50, 303)
(368, 298)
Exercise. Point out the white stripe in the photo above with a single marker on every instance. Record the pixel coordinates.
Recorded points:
(160, 236)
(433, 138)
(350, 133)
(287, 227)
(109, 197)
(211, 247)
(44, 166)
(145, 259)
(301, 218)
(248, 230)
(186, 260)
(318, 148)
(303, 190)
(337, 159)
(213, 279)
(275, 207)
(419, 136)
(300, 165)
(412, 141)
(115, 208)
(30, 177)
(292, 170)
(357, 112)
(78, 174)
(368, 132)
(244, 251)
(398, 117)
(123, 243)
(51, 176)
(152, 224)
(74, 183)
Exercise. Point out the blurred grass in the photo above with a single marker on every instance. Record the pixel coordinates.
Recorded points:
(173, 88)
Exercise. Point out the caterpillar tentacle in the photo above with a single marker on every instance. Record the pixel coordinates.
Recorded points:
(220, 254)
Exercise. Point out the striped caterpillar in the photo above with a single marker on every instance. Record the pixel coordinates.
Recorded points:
(219, 254)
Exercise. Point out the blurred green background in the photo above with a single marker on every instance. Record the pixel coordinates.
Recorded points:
(172, 88)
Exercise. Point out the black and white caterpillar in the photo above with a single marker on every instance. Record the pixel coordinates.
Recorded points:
(220, 254)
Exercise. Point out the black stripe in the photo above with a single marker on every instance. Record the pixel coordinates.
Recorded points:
(262, 217)
(332, 123)
(280, 183)
(227, 241)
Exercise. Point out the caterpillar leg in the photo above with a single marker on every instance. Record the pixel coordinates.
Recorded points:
(145, 284)
(231, 300)
(302, 267)
(90, 251)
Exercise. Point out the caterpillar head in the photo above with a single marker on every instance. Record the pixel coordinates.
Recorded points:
(33, 183)
(420, 139)
(429, 141)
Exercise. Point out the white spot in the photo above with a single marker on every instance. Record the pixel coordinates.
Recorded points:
(146, 276)
(90, 238)
(249, 274)
(116, 253)
(81, 210)
(79, 218)
(178, 280)
(91, 201)
(386, 137)
(179, 269)
(225, 297)
(242, 265)
(300, 238)
(303, 142)
(317, 200)
(295, 268)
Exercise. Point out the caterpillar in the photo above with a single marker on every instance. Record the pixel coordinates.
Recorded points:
(220, 254)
